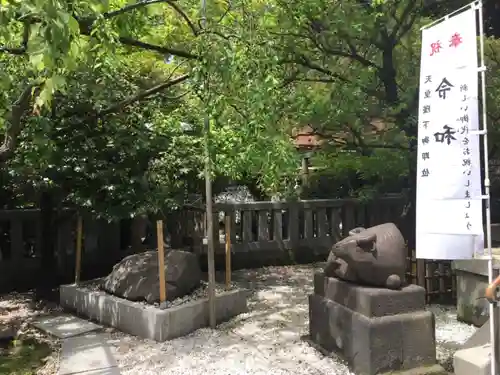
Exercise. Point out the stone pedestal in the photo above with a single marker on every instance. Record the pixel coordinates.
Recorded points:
(375, 330)
(472, 281)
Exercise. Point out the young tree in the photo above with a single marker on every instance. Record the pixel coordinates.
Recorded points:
(54, 38)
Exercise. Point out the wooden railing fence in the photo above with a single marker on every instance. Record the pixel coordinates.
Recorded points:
(310, 226)
(21, 241)
(262, 226)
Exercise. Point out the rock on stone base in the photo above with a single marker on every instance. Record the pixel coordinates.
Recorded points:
(353, 323)
(136, 277)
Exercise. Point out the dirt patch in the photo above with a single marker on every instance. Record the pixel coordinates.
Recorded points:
(24, 356)
(24, 350)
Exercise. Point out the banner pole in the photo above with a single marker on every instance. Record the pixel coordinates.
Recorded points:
(494, 354)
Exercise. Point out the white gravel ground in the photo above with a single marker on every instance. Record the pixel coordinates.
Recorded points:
(264, 341)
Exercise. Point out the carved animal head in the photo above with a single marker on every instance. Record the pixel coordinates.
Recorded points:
(355, 243)
(357, 230)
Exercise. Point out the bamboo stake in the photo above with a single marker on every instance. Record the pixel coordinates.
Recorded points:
(161, 263)
(228, 252)
(79, 235)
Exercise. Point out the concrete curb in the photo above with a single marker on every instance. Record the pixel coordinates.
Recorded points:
(148, 321)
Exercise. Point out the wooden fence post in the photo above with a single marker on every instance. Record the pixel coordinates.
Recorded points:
(348, 219)
(78, 260)
(228, 252)
(161, 263)
(17, 242)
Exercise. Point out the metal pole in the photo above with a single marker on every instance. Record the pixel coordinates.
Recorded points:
(208, 198)
(494, 354)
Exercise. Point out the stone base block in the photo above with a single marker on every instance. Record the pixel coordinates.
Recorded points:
(472, 281)
(373, 345)
(369, 301)
(376, 330)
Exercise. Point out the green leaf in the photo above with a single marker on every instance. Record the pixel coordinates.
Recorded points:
(38, 61)
(73, 25)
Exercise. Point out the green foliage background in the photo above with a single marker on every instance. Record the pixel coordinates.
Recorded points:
(111, 83)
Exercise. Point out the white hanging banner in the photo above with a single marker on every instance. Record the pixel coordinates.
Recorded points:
(449, 193)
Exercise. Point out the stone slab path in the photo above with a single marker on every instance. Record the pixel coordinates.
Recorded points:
(90, 352)
(63, 326)
(105, 371)
(84, 349)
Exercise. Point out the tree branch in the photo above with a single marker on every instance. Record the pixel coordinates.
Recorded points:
(184, 16)
(313, 80)
(131, 7)
(372, 146)
(226, 12)
(357, 146)
(356, 56)
(406, 21)
(142, 95)
(305, 62)
(358, 136)
(151, 47)
(14, 122)
(352, 54)
(238, 111)
(144, 3)
(86, 26)
(24, 43)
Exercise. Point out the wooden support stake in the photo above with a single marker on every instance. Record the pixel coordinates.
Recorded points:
(161, 262)
(79, 235)
(228, 252)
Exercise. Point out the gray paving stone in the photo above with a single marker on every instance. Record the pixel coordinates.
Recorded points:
(63, 326)
(89, 352)
(475, 360)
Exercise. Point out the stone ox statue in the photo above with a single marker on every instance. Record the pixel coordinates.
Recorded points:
(375, 257)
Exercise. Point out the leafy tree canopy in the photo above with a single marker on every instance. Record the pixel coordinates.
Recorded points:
(101, 92)
(108, 84)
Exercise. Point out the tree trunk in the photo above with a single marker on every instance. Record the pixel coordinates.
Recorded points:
(14, 123)
(389, 79)
(388, 76)
(48, 263)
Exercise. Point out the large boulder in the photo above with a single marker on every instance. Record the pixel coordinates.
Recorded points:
(136, 276)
